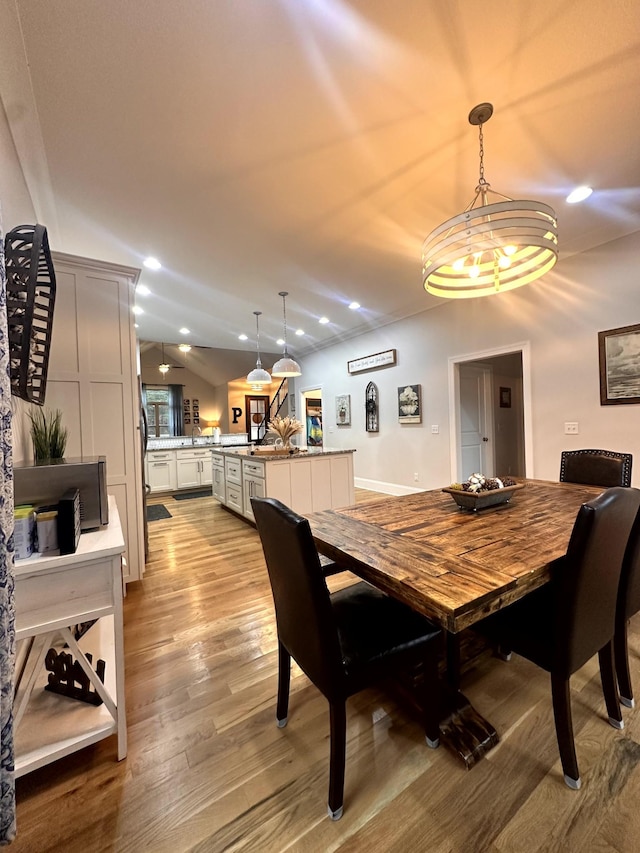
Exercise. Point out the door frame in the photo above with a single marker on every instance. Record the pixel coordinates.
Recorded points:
(524, 348)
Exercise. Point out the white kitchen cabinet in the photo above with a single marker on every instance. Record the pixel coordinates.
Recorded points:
(233, 484)
(52, 595)
(161, 470)
(92, 379)
(305, 483)
(193, 468)
(217, 472)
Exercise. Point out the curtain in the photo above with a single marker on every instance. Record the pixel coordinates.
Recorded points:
(176, 409)
(7, 613)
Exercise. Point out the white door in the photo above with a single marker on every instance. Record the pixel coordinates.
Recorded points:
(475, 439)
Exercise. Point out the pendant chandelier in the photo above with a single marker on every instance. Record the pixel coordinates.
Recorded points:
(164, 367)
(285, 366)
(258, 376)
(492, 246)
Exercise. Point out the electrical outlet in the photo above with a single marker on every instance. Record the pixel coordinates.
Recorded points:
(571, 428)
(435, 429)
(416, 477)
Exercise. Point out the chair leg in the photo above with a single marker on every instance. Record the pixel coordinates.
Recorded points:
(621, 653)
(338, 747)
(609, 686)
(564, 730)
(284, 679)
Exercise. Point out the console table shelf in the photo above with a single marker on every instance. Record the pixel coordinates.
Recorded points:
(53, 594)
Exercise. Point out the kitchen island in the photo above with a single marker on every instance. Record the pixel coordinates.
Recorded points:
(306, 480)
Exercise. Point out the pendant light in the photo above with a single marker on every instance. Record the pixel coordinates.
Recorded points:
(285, 366)
(491, 247)
(258, 376)
(164, 367)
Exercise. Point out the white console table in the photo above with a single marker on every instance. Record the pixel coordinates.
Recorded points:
(52, 595)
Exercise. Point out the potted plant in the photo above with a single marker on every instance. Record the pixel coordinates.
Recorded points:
(48, 435)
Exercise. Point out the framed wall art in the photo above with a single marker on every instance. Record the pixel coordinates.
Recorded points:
(409, 404)
(619, 352)
(343, 410)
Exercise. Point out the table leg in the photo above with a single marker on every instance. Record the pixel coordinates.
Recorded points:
(463, 730)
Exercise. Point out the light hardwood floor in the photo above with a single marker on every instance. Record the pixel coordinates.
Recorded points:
(208, 770)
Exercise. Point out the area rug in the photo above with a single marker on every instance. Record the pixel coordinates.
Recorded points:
(157, 511)
(186, 496)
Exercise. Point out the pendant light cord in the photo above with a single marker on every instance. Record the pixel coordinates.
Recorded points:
(284, 294)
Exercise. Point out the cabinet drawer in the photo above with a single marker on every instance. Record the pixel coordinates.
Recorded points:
(234, 497)
(253, 469)
(193, 454)
(160, 455)
(233, 470)
(217, 461)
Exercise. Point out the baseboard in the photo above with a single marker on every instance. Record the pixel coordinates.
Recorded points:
(384, 488)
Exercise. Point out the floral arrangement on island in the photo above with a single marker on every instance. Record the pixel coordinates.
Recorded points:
(284, 429)
(479, 483)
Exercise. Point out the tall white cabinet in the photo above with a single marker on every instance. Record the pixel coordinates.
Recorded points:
(92, 379)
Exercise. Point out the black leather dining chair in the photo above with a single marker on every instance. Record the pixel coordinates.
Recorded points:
(342, 641)
(604, 468)
(564, 623)
(628, 606)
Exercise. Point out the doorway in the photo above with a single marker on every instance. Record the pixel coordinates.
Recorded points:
(490, 413)
(256, 412)
(311, 400)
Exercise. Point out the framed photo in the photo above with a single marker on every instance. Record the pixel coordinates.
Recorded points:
(619, 351)
(409, 405)
(343, 410)
(505, 398)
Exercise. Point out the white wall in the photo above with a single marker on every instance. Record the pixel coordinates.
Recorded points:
(560, 316)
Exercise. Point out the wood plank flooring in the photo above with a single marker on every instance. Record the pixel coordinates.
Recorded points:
(208, 770)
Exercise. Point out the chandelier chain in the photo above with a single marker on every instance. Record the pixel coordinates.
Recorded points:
(481, 181)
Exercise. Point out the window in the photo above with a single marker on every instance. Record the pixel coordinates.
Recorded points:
(158, 411)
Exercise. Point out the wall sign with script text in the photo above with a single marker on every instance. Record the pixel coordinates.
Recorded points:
(370, 362)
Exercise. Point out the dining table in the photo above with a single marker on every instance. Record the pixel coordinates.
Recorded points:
(456, 566)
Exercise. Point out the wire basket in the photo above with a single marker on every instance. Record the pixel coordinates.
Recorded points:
(31, 292)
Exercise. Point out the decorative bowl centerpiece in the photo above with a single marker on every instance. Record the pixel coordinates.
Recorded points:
(479, 492)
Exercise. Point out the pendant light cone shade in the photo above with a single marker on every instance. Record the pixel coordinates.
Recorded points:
(286, 366)
(492, 246)
(258, 376)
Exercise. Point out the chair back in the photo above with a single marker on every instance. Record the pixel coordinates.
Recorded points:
(604, 468)
(629, 593)
(304, 614)
(586, 587)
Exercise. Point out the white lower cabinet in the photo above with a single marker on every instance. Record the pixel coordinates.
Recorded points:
(161, 470)
(193, 468)
(217, 472)
(305, 484)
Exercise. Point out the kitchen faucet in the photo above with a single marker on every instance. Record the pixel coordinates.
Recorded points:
(193, 429)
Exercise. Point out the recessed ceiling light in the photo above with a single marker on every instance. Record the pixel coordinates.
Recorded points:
(184, 331)
(143, 290)
(243, 337)
(323, 320)
(137, 309)
(152, 263)
(136, 325)
(280, 342)
(354, 306)
(299, 331)
(579, 194)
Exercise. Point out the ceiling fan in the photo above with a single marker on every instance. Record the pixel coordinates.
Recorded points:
(164, 367)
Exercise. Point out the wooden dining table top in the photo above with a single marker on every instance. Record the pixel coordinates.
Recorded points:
(454, 565)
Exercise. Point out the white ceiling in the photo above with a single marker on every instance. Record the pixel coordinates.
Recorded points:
(255, 146)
